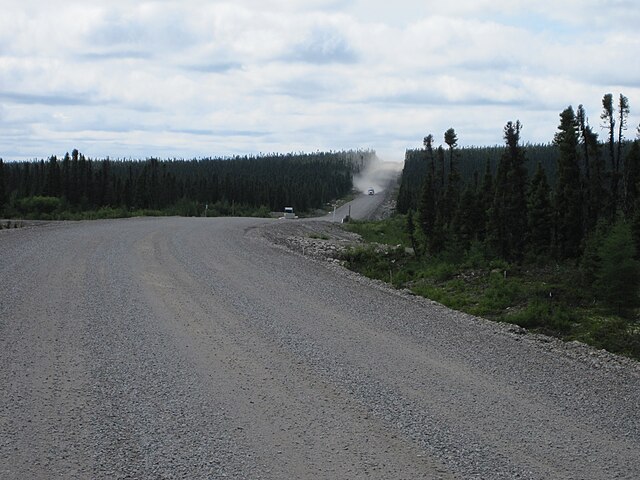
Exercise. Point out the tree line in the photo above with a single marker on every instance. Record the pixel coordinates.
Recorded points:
(559, 212)
(76, 183)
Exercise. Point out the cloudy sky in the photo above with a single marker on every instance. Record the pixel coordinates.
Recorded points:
(195, 78)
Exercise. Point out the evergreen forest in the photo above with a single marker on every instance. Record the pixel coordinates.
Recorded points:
(79, 187)
(543, 236)
(523, 202)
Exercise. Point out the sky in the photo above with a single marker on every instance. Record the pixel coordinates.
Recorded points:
(195, 78)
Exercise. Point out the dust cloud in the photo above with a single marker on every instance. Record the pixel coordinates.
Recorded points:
(378, 174)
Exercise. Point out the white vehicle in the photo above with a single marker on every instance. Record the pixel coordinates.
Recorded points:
(370, 191)
(288, 213)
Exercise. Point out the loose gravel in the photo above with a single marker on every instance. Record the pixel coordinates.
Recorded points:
(206, 348)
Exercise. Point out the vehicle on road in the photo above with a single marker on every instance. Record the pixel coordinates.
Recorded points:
(289, 213)
(370, 191)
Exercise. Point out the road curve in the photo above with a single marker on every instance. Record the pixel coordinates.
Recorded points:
(193, 348)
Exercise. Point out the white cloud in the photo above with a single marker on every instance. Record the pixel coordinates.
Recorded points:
(196, 78)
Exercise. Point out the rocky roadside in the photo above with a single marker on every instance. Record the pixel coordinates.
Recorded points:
(326, 242)
(318, 240)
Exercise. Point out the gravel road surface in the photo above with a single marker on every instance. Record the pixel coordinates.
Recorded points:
(194, 348)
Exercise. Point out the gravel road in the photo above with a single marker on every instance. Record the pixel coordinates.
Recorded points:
(194, 348)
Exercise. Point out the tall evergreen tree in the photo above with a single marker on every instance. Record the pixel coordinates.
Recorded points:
(623, 116)
(507, 223)
(584, 130)
(597, 199)
(451, 139)
(452, 193)
(631, 177)
(441, 175)
(485, 200)
(468, 219)
(427, 207)
(618, 275)
(568, 197)
(53, 183)
(540, 214)
(609, 123)
(65, 176)
(411, 231)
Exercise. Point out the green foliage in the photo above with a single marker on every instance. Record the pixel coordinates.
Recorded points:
(230, 186)
(631, 177)
(499, 294)
(590, 260)
(507, 219)
(568, 194)
(618, 273)
(545, 316)
(387, 232)
(439, 270)
(38, 205)
(540, 214)
(547, 297)
(468, 161)
(375, 263)
(615, 335)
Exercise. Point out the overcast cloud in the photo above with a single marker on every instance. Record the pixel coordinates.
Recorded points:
(207, 78)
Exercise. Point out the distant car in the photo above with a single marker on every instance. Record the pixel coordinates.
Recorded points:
(370, 191)
(288, 213)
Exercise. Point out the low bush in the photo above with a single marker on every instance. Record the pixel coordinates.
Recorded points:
(544, 316)
(615, 335)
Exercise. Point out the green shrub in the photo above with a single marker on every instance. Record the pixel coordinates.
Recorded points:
(389, 232)
(616, 335)
(475, 257)
(543, 315)
(440, 271)
(618, 273)
(35, 206)
(500, 293)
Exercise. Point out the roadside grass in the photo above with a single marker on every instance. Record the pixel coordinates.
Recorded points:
(389, 232)
(543, 298)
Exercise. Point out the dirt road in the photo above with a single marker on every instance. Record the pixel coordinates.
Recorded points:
(194, 348)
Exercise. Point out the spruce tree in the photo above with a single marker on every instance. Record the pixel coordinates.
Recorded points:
(631, 177)
(507, 225)
(427, 203)
(485, 200)
(540, 214)
(618, 274)
(596, 193)
(623, 115)
(584, 130)
(53, 182)
(568, 194)
(609, 123)
(467, 220)
(411, 231)
(451, 139)
(427, 206)
(452, 193)
(65, 176)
